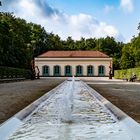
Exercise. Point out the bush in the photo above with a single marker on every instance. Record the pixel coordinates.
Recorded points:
(127, 73)
(8, 72)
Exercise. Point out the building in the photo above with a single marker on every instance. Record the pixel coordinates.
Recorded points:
(77, 63)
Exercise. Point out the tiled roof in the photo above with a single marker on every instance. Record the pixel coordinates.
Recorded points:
(73, 54)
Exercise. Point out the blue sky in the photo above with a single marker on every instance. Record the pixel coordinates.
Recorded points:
(80, 18)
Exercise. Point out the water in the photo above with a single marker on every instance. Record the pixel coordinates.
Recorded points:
(72, 114)
(66, 104)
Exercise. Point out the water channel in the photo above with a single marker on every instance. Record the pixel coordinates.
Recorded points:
(72, 113)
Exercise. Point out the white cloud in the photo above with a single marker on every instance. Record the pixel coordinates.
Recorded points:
(77, 26)
(127, 5)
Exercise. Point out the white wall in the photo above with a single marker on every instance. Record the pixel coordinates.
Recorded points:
(73, 63)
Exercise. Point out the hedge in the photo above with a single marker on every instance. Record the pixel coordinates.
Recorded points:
(127, 73)
(9, 72)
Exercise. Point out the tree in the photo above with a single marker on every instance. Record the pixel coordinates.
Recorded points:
(127, 59)
(69, 44)
(90, 44)
(136, 50)
(21, 41)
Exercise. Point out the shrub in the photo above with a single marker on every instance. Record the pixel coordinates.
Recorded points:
(8, 72)
(127, 73)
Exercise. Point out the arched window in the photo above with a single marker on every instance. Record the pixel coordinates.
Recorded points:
(45, 70)
(90, 70)
(101, 70)
(57, 70)
(79, 70)
(68, 70)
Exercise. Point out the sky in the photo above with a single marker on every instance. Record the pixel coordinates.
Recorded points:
(80, 18)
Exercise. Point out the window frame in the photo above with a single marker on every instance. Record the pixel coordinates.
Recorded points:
(59, 70)
(101, 70)
(91, 70)
(81, 70)
(70, 70)
(44, 70)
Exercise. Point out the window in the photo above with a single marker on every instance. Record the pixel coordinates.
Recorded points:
(45, 70)
(68, 71)
(57, 70)
(101, 70)
(79, 71)
(90, 70)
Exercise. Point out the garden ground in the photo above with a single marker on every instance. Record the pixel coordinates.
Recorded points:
(125, 95)
(17, 95)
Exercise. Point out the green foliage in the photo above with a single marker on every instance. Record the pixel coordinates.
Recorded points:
(127, 73)
(20, 42)
(127, 58)
(8, 72)
(136, 50)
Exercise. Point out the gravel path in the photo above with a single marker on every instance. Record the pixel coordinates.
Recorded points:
(125, 95)
(17, 95)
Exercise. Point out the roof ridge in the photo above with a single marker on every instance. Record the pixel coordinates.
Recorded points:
(71, 54)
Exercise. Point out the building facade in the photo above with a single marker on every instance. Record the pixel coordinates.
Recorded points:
(73, 63)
